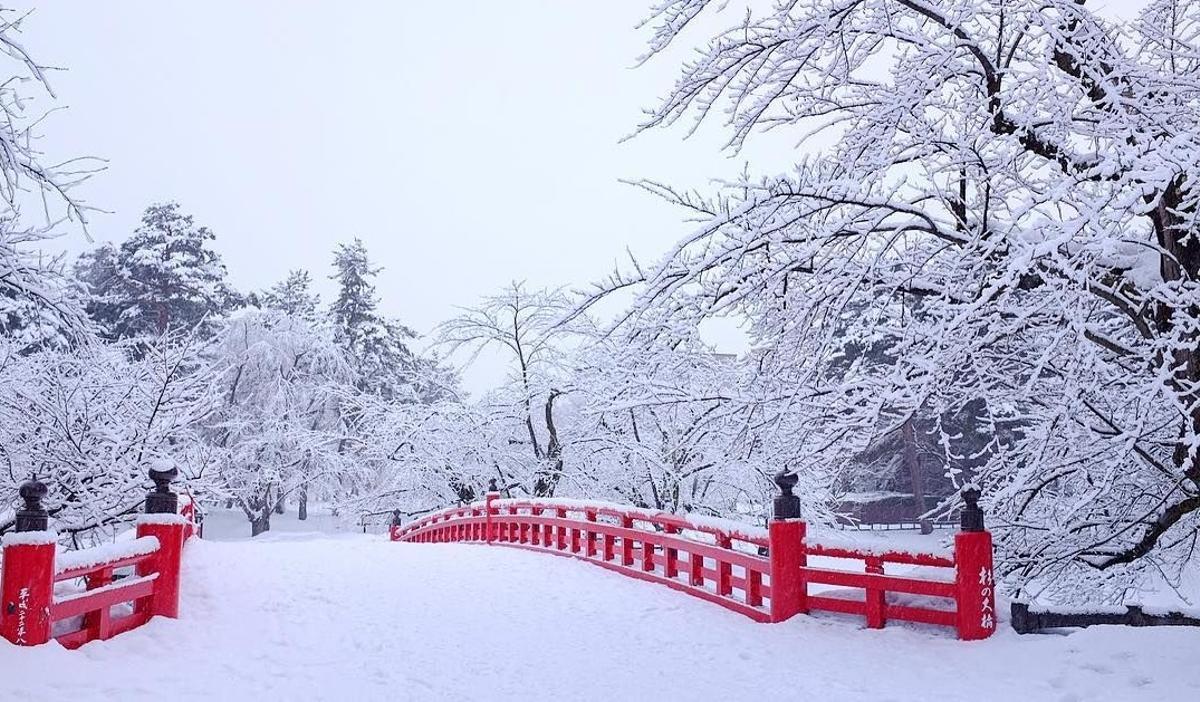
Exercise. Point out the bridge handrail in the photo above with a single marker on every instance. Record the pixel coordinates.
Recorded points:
(733, 565)
(29, 605)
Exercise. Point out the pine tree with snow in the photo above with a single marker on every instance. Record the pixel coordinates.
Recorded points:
(293, 296)
(377, 346)
(99, 271)
(165, 276)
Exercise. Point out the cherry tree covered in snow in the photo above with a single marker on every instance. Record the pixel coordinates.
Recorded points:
(88, 421)
(277, 426)
(661, 429)
(527, 327)
(38, 305)
(1009, 198)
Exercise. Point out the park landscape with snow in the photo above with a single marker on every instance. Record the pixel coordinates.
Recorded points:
(338, 614)
(968, 370)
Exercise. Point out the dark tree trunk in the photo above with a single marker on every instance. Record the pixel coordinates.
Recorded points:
(912, 465)
(279, 506)
(260, 523)
(547, 482)
(302, 504)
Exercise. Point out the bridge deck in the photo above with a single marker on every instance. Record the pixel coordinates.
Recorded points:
(308, 618)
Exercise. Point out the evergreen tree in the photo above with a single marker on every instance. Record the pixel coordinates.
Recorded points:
(293, 296)
(99, 272)
(377, 346)
(163, 277)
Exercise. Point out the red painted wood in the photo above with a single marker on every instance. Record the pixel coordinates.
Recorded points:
(27, 593)
(898, 557)
(975, 583)
(876, 596)
(97, 622)
(125, 591)
(890, 583)
(626, 541)
(728, 603)
(671, 565)
(834, 604)
(115, 564)
(922, 615)
(661, 548)
(789, 588)
(166, 563)
(590, 551)
(724, 568)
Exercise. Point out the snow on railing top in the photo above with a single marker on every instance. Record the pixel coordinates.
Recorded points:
(30, 538)
(824, 542)
(87, 558)
(733, 529)
(821, 542)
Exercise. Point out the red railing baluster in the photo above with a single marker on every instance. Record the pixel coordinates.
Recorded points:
(754, 588)
(875, 595)
(696, 569)
(671, 566)
(590, 539)
(626, 542)
(724, 570)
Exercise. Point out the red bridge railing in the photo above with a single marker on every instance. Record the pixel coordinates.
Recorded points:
(125, 584)
(761, 573)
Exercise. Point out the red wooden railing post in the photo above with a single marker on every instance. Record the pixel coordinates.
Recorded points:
(163, 522)
(876, 598)
(974, 579)
(626, 542)
(789, 591)
(169, 530)
(490, 511)
(590, 538)
(27, 580)
(671, 566)
(724, 569)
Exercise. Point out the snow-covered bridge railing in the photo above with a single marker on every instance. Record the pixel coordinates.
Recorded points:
(114, 600)
(761, 573)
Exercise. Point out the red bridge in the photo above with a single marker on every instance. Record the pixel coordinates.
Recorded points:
(761, 573)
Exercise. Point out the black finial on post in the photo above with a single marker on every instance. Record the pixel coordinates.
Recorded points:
(161, 500)
(972, 515)
(787, 505)
(33, 517)
(396, 519)
(492, 485)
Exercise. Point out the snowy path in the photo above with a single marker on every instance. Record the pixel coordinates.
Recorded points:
(296, 617)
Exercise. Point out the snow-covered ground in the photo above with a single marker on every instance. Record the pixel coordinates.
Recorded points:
(311, 616)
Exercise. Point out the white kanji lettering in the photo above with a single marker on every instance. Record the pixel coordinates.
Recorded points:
(985, 576)
(988, 622)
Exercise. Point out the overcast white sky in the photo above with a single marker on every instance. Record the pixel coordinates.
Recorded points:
(467, 143)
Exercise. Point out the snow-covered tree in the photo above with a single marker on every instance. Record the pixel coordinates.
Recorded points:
(529, 328)
(54, 318)
(1027, 171)
(89, 421)
(165, 276)
(378, 347)
(293, 297)
(37, 307)
(662, 430)
(277, 428)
